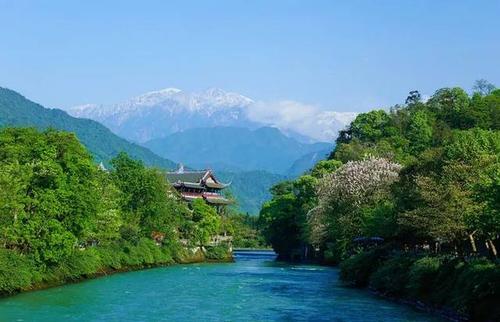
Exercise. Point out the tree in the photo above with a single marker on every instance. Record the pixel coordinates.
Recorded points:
(419, 131)
(147, 200)
(370, 126)
(207, 222)
(324, 167)
(342, 196)
(451, 105)
(50, 180)
(483, 87)
(414, 97)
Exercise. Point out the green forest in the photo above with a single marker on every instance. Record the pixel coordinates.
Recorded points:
(408, 203)
(63, 218)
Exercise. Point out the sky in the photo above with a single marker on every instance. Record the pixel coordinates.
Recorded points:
(346, 56)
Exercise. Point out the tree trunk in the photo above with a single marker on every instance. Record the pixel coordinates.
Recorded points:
(473, 243)
(493, 248)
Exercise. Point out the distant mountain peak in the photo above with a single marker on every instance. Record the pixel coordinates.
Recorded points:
(159, 113)
(153, 97)
(219, 97)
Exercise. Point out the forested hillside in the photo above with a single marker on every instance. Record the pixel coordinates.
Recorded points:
(16, 110)
(250, 188)
(408, 202)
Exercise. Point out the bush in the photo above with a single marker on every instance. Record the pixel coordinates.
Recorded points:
(422, 276)
(332, 254)
(446, 281)
(15, 271)
(111, 256)
(217, 252)
(477, 290)
(161, 255)
(356, 270)
(82, 263)
(392, 276)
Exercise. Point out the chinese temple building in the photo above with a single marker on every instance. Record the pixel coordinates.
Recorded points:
(198, 184)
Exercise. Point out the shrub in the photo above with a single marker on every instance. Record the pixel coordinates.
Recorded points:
(356, 270)
(332, 255)
(111, 256)
(446, 281)
(145, 249)
(477, 290)
(217, 252)
(15, 271)
(392, 276)
(81, 263)
(422, 276)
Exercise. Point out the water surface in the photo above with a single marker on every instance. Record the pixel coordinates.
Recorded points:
(255, 288)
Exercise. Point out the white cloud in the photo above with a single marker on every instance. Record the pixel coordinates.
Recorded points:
(308, 120)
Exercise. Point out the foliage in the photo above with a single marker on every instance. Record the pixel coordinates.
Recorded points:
(245, 231)
(219, 252)
(341, 213)
(63, 218)
(392, 276)
(15, 271)
(207, 222)
(421, 180)
(422, 276)
(356, 270)
(471, 288)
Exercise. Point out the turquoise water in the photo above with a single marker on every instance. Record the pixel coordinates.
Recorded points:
(255, 288)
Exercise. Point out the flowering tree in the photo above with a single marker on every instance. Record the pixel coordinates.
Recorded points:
(343, 194)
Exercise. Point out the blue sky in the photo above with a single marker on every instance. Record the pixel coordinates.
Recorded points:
(337, 55)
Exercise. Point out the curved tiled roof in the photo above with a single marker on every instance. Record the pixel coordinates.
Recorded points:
(188, 176)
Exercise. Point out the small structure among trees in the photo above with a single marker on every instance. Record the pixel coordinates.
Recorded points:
(200, 184)
(204, 193)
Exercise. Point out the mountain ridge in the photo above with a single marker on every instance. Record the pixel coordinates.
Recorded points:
(17, 110)
(235, 149)
(157, 114)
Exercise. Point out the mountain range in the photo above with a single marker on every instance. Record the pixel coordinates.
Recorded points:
(157, 114)
(236, 149)
(160, 113)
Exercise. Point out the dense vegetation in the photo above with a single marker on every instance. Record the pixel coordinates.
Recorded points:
(245, 231)
(17, 111)
(408, 201)
(63, 218)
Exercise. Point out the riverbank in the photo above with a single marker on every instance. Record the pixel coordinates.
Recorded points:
(446, 286)
(20, 275)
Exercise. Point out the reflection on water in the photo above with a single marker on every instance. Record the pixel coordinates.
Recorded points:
(255, 288)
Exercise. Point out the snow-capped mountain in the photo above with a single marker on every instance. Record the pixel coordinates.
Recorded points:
(160, 113)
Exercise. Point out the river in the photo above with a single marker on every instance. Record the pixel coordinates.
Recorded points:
(254, 288)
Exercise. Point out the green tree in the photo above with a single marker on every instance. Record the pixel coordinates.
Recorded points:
(207, 222)
(419, 131)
